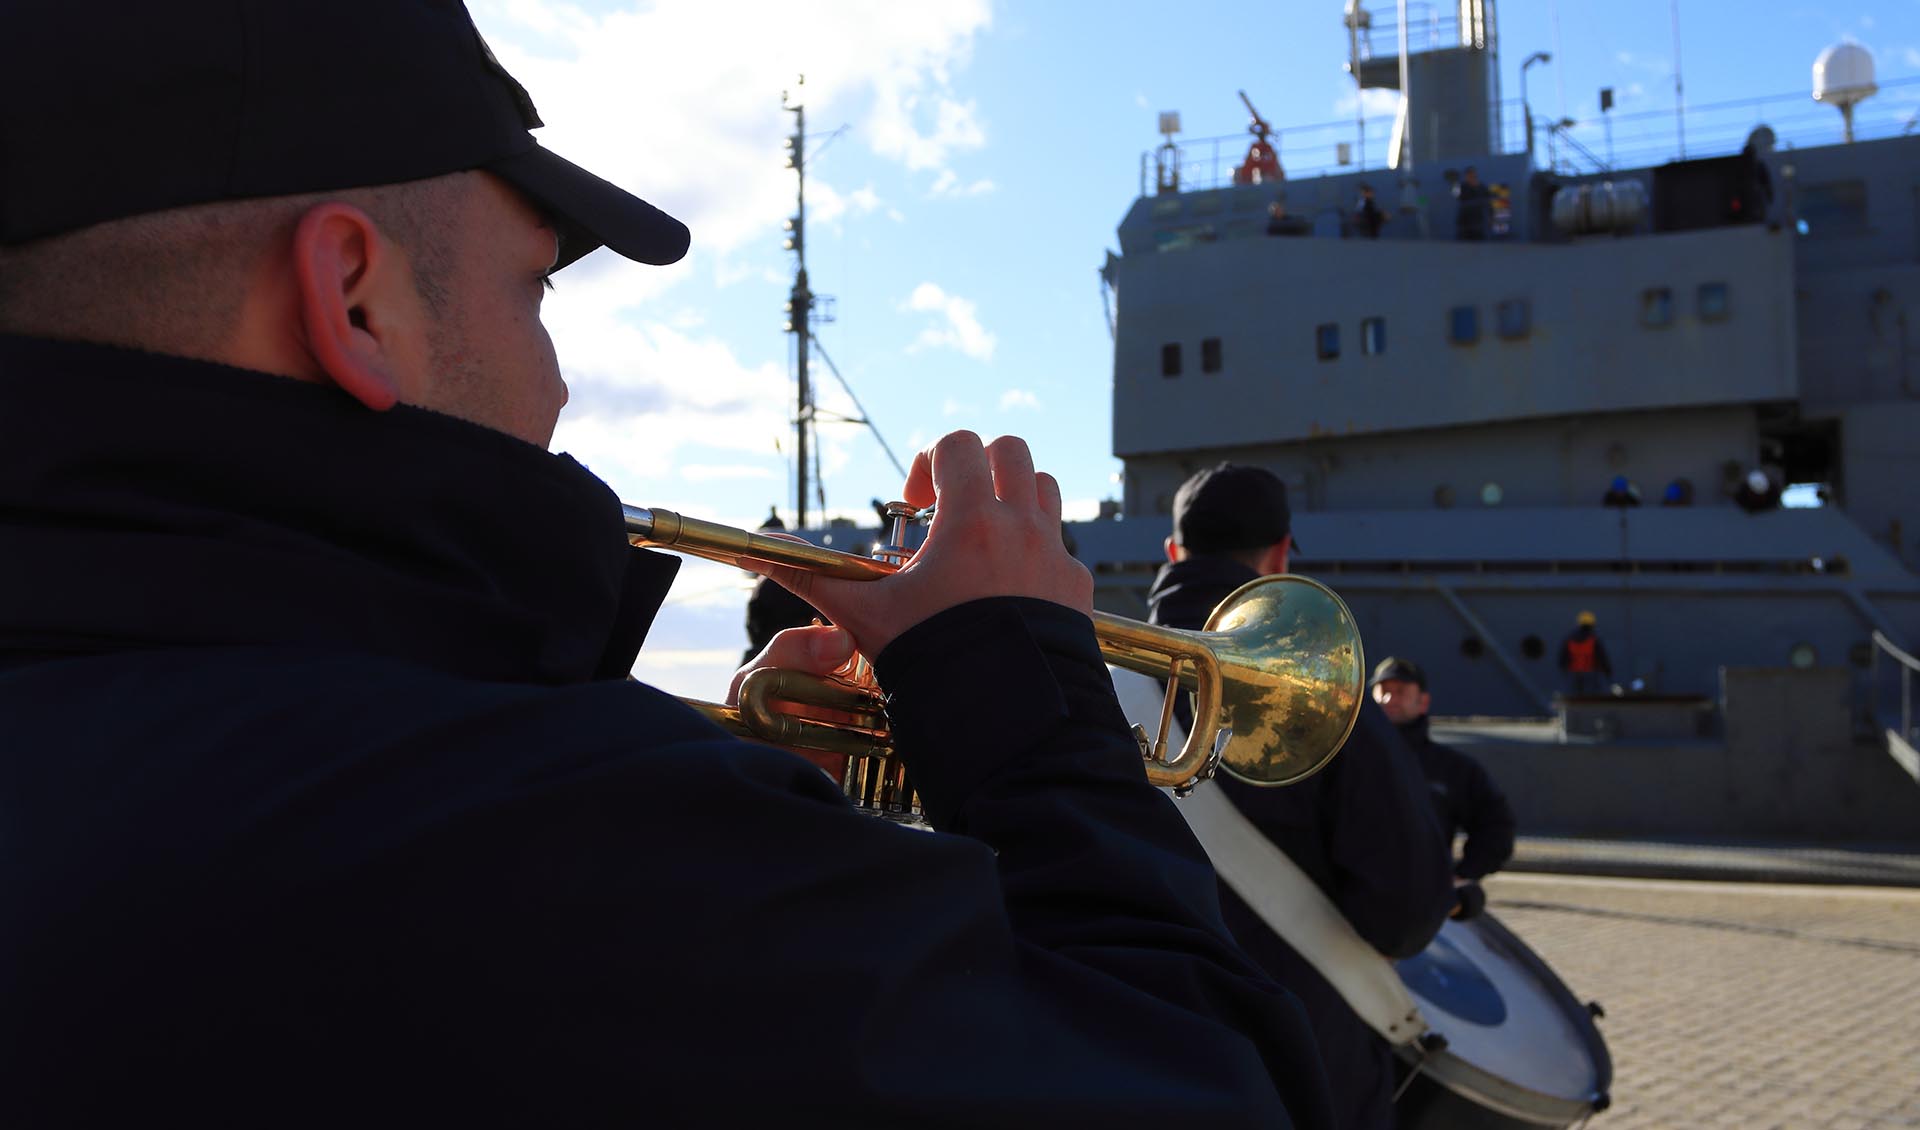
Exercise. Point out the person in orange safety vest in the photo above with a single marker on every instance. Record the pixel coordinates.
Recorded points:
(1584, 658)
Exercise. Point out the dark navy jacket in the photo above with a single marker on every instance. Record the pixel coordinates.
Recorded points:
(1466, 801)
(323, 800)
(1363, 830)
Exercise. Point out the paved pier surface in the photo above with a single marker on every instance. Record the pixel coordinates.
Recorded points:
(1738, 1004)
(1762, 863)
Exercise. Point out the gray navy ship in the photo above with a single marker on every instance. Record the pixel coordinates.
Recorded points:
(1590, 394)
(1678, 390)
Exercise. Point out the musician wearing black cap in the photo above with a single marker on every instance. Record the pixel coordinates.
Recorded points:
(1465, 798)
(1360, 829)
(324, 798)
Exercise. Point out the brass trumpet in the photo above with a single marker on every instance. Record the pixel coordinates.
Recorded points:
(1278, 668)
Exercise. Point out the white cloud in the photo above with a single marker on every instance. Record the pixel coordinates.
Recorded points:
(1079, 509)
(894, 127)
(1911, 56)
(1373, 102)
(709, 472)
(728, 273)
(950, 408)
(826, 204)
(962, 330)
(670, 658)
(948, 184)
(1018, 398)
(670, 100)
(642, 390)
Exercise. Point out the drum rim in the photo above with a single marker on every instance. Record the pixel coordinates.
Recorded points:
(1504, 1096)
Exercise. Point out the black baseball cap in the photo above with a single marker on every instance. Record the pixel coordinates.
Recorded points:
(1404, 670)
(121, 108)
(1226, 508)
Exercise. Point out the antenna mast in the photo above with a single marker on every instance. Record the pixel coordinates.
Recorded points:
(799, 305)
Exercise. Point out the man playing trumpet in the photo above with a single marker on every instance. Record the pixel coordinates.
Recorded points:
(326, 799)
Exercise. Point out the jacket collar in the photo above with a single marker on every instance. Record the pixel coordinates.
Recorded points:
(1184, 593)
(154, 501)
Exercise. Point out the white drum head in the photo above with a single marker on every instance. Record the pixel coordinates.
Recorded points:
(1517, 1040)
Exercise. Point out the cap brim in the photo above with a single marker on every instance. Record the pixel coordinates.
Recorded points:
(591, 212)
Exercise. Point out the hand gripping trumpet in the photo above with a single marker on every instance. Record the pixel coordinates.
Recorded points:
(1278, 669)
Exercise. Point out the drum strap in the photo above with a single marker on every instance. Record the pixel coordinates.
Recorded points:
(1282, 894)
(1294, 908)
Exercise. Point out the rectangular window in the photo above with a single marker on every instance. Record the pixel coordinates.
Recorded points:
(1712, 302)
(1656, 307)
(1326, 340)
(1835, 208)
(1463, 325)
(1514, 318)
(1210, 355)
(1170, 359)
(1373, 336)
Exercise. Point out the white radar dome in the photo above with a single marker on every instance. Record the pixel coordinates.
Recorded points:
(1843, 75)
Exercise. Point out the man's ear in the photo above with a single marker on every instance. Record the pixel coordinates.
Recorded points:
(1274, 558)
(342, 265)
(1174, 552)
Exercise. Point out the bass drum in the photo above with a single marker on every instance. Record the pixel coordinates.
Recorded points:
(1508, 1046)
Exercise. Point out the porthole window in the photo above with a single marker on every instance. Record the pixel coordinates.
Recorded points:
(1210, 355)
(1492, 495)
(1443, 496)
(1803, 656)
(1473, 647)
(1533, 647)
(1170, 359)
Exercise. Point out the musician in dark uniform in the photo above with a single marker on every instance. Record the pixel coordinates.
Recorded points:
(1465, 798)
(1362, 828)
(324, 796)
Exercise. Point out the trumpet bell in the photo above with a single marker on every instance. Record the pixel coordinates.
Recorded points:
(1297, 677)
(1278, 668)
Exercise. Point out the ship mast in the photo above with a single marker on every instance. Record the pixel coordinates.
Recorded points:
(799, 306)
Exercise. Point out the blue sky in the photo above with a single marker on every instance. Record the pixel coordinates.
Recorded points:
(984, 154)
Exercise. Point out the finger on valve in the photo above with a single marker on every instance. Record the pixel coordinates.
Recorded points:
(995, 533)
(822, 650)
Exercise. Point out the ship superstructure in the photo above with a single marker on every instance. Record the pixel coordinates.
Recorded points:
(1449, 412)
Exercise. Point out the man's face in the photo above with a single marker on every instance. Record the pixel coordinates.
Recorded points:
(492, 361)
(1402, 699)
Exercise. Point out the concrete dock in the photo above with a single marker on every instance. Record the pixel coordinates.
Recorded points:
(1738, 1004)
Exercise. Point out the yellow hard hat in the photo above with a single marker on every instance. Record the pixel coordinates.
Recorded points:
(1587, 620)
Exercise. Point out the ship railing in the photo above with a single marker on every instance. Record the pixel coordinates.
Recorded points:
(1320, 148)
(1903, 739)
(1573, 147)
(1430, 27)
(1644, 138)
